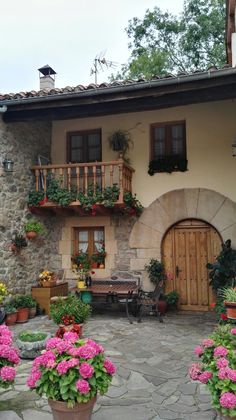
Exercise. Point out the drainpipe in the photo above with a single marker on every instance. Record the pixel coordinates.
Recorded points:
(3, 109)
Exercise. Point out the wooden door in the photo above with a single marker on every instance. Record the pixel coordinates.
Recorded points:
(187, 248)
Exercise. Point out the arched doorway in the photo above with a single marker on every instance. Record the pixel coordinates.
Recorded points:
(186, 249)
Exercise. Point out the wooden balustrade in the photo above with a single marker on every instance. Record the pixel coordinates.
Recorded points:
(84, 175)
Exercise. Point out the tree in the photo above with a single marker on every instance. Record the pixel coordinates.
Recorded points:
(162, 43)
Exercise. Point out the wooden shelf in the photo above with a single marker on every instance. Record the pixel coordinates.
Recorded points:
(43, 295)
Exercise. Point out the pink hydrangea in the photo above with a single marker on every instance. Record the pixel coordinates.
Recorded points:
(87, 352)
(34, 376)
(52, 343)
(63, 367)
(11, 354)
(72, 337)
(194, 371)
(5, 335)
(110, 367)
(220, 351)
(7, 373)
(82, 386)
(223, 373)
(233, 331)
(86, 370)
(228, 400)
(231, 374)
(98, 347)
(207, 342)
(198, 350)
(74, 352)
(46, 359)
(222, 363)
(73, 362)
(204, 377)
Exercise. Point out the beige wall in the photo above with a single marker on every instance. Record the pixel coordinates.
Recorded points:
(210, 129)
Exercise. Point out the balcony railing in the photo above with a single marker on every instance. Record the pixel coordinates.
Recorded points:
(84, 176)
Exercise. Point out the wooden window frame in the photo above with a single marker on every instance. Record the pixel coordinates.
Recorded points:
(84, 134)
(90, 229)
(168, 138)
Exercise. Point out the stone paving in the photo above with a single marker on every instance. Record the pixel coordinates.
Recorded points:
(151, 381)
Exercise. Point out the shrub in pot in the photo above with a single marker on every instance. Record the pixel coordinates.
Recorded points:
(11, 313)
(32, 305)
(171, 299)
(21, 304)
(71, 373)
(229, 296)
(33, 228)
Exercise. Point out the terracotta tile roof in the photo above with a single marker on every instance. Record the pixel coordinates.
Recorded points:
(96, 87)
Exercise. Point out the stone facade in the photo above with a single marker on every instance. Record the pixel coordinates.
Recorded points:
(23, 142)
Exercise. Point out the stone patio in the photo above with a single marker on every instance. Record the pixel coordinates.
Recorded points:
(151, 381)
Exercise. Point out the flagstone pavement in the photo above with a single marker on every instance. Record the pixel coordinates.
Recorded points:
(151, 381)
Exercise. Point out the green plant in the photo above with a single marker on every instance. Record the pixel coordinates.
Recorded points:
(223, 271)
(120, 141)
(74, 375)
(172, 298)
(20, 301)
(132, 205)
(168, 164)
(155, 270)
(81, 262)
(35, 197)
(32, 225)
(58, 194)
(217, 368)
(19, 241)
(71, 306)
(30, 302)
(228, 294)
(9, 308)
(31, 337)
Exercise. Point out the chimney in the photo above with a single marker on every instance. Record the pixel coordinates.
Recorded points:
(47, 77)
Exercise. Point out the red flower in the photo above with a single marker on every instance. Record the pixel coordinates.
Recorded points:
(223, 317)
(212, 305)
(92, 272)
(42, 202)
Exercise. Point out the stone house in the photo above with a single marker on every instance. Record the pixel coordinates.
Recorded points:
(180, 166)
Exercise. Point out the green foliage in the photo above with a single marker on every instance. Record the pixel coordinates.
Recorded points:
(120, 141)
(132, 204)
(155, 270)
(172, 298)
(33, 225)
(35, 197)
(30, 301)
(168, 164)
(81, 259)
(162, 43)
(58, 194)
(71, 306)
(21, 301)
(9, 308)
(19, 241)
(223, 271)
(31, 336)
(225, 338)
(228, 294)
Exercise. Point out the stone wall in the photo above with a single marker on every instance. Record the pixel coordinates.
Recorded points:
(22, 142)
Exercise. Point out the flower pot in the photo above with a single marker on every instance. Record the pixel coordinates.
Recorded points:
(11, 318)
(22, 315)
(76, 327)
(81, 284)
(162, 306)
(48, 283)
(81, 411)
(31, 235)
(32, 312)
(222, 417)
(230, 309)
(94, 265)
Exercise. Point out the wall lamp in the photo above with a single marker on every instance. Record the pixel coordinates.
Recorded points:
(8, 165)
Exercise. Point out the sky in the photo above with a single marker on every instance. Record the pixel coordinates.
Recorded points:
(68, 35)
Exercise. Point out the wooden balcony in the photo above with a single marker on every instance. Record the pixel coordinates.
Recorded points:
(84, 177)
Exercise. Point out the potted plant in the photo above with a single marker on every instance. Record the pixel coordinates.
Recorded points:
(229, 296)
(70, 310)
(21, 304)
(9, 358)
(217, 369)
(31, 343)
(47, 279)
(11, 313)
(120, 141)
(171, 299)
(33, 228)
(18, 242)
(71, 379)
(156, 273)
(31, 304)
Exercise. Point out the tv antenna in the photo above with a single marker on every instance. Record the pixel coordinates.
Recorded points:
(99, 64)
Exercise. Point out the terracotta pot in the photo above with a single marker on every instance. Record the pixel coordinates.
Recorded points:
(32, 312)
(162, 306)
(230, 309)
(22, 315)
(94, 265)
(31, 235)
(11, 318)
(81, 411)
(78, 328)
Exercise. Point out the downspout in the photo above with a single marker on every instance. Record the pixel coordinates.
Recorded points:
(3, 109)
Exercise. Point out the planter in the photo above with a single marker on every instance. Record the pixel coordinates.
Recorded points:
(22, 315)
(230, 309)
(77, 327)
(32, 312)
(11, 318)
(48, 283)
(31, 235)
(81, 284)
(81, 411)
(162, 306)
(30, 350)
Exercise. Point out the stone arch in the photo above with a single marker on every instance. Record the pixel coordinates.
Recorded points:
(197, 203)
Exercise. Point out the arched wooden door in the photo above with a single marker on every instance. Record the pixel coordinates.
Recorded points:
(186, 249)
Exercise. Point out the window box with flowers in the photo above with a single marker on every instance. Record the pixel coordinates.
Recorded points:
(217, 369)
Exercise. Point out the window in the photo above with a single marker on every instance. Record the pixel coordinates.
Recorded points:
(91, 241)
(168, 147)
(84, 146)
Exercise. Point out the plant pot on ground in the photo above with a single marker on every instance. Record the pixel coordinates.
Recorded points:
(69, 310)
(21, 304)
(31, 343)
(33, 228)
(229, 296)
(11, 314)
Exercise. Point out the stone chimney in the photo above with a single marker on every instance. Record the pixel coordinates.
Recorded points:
(46, 77)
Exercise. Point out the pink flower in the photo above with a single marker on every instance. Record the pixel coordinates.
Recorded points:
(71, 337)
(222, 363)
(220, 351)
(82, 386)
(232, 374)
(208, 343)
(52, 343)
(74, 352)
(204, 377)
(63, 347)
(63, 367)
(96, 346)
(46, 359)
(87, 352)
(73, 362)
(228, 400)
(198, 350)
(7, 373)
(194, 371)
(110, 367)
(233, 331)
(34, 376)
(11, 354)
(223, 373)
(86, 370)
